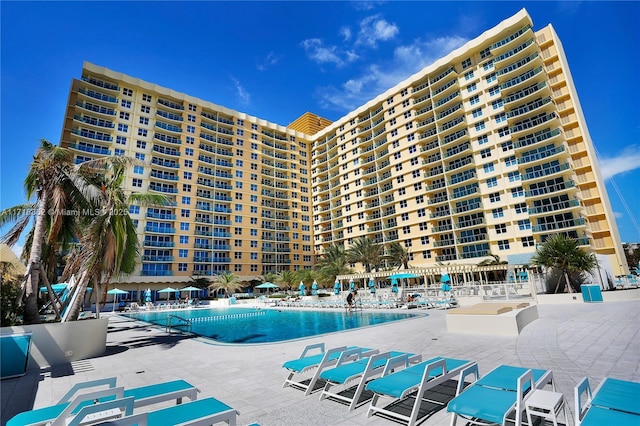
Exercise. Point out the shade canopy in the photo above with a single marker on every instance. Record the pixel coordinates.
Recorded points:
(267, 285)
(445, 287)
(168, 290)
(55, 287)
(190, 288)
(117, 291)
(314, 285)
(402, 276)
(352, 285)
(336, 284)
(444, 278)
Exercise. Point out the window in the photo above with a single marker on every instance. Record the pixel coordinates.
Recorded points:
(183, 253)
(501, 117)
(121, 140)
(496, 104)
(191, 129)
(192, 107)
(477, 112)
(483, 139)
(491, 77)
(492, 182)
(405, 103)
(145, 109)
(485, 153)
(188, 151)
(190, 140)
(494, 90)
(520, 208)
(510, 161)
(485, 53)
(501, 228)
(144, 120)
(123, 127)
(146, 98)
(184, 239)
(186, 200)
(524, 224)
(124, 115)
(474, 99)
(186, 187)
(468, 75)
(466, 63)
(488, 167)
(503, 132)
(134, 209)
(125, 104)
(480, 125)
(137, 183)
(495, 197)
(506, 146)
(127, 92)
(487, 65)
(503, 245)
(497, 213)
(138, 170)
(141, 145)
(527, 241)
(140, 156)
(471, 87)
(142, 132)
(188, 163)
(407, 114)
(513, 176)
(517, 192)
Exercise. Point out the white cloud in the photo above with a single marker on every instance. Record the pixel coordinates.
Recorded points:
(618, 215)
(628, 159)
(270, 60)
(366, 4)
(345, 32)
(318, 52)
(374, 29)
(243, 96)
(377, 78)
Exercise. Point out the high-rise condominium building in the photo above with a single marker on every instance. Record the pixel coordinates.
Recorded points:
(486, 151)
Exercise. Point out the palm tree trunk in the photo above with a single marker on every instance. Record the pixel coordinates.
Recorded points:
(53, 297)
(81, 289)
(31, 315)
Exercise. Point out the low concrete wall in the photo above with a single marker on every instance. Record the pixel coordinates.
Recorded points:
(60, 343)
(507, 324)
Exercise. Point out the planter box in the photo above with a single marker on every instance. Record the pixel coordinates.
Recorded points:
(61, 343)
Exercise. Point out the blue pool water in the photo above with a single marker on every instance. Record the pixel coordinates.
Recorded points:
(249, 325)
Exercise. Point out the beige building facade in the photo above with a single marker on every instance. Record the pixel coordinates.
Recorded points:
(484, 152)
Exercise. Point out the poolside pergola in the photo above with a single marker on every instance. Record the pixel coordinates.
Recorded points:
(459, 274)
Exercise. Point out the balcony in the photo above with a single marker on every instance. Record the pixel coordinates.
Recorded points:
(101, 84)
(168, 127)
(549, 189)
(170, 104)
(96, 108)
(540, 154)
(164, 163)
(90, 134)
(553, 226)
(535, 138)
(163, 188)
(90, 148)
(546, 170)
(94, 121)
(160, 230)
(151, 243)
(161, 273)
(162, 216)
(157, 259)
(554, 207)
(97, 95)
(166, 176)
(169, 115)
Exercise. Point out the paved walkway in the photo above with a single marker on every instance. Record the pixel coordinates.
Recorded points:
(573, 340)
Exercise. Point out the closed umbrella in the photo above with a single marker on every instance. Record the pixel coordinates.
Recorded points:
(116, 292)
(314, 288)
(336, 288)
(147, 295)
(372, 286)
(301, 288)
(394, 285)
(352, 285)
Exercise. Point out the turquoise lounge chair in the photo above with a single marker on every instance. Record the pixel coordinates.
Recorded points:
(492, 398)
(203, 412)
(14, 354)
(352, 366)
(318, 361)
(614, 402)
(70, 404)
(412, 382)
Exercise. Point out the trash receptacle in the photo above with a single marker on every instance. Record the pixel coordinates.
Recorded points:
(591, 293)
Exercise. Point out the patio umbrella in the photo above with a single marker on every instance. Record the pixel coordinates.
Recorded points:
(116, 291)
(402, 276)
(352, 285)
(147, 295)
(314, 287)
(190, 289)
(168, 290)
(267, 285)
(336, 287)
(394, 285)
(301, 288)
(446, 281)
(372, 286)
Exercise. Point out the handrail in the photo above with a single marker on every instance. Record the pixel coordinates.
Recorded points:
(169, 323)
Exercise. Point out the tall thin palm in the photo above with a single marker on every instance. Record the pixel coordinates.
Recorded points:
(398, 256)
(227, 282)
(563, 254)
(366, 252)
(109, 240)
(60, 190)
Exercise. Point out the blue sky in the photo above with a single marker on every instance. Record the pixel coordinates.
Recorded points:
(276, 60)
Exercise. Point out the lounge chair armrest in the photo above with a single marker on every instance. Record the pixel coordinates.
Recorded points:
(414, 359)
(308, 348)
(472, 369)
(110, 382)
(368, 353)
(349, 355)
(395, 362)
(87, 399)
(126, 403)
(580, 410)
(526, 387)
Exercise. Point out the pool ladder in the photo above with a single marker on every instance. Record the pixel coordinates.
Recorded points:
(182, 322)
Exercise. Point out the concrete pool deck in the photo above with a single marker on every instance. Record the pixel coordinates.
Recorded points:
(573, 340)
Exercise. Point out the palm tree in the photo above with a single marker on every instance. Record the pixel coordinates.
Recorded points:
(366, 252)
(398, 256)
(332, 263)
(306, 275)
(109, 242)
(563, 255)
(286, 279)
(499, 275)
(227, 282)
(60, 192)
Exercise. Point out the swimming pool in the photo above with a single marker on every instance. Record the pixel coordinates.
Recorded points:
(252, 325)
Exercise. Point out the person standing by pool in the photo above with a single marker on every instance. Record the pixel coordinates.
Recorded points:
(351, 299)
